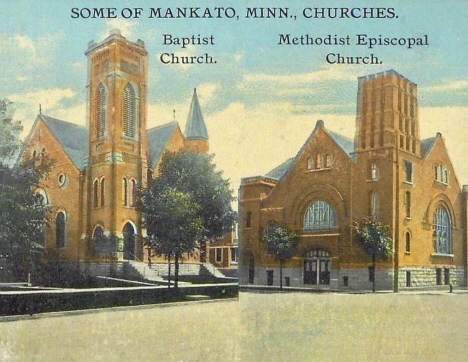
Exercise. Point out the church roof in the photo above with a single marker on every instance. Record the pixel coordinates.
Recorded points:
(281, 171)
(158, 139)
(428, 144)
(73, 138)
(196, 128)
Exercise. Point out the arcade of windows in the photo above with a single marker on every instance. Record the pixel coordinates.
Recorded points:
(129, 192)
(441, 174)
(320, 162)
(129, 111)
(320, 216)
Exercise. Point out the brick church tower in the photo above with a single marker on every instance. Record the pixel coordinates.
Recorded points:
(387, 130)
(118, 140)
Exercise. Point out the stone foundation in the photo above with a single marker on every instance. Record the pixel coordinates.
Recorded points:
(421, 277)
(356, 279)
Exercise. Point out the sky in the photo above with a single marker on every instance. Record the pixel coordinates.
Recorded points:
(260, 100)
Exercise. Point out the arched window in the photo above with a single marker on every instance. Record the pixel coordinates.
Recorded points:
(320, 216)
(129, 111)
(102, 111)
(374, 205)
(60, 230)
(96, 193)
(271, 227)
(318, 161)
(374, 172)
(443, 231)
(125, 191)
(133, 192)
(408, 241)
(328, 161)
(248, 220)
(103, 188)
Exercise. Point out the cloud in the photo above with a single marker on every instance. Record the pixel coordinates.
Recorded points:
(292, 80)
(206, 92)
(250, 141)
(449, 121)
(447, 85)
(238, 56)
(51, 101)
(126, 27)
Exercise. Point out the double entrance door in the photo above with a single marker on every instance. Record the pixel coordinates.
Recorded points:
(317, 268)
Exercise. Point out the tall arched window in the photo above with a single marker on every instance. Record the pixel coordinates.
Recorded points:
(96, 193)
(408, 242)
(103, 188)
(442, 231)
(129, 111)
(320, 216)
(102, 111)
(60, 230)
(133, 192)
(125, 191)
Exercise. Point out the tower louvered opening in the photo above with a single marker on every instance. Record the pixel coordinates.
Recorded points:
(102, 111)
(129, 111)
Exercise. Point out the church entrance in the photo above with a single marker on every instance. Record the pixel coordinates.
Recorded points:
(317, 268)
(129, 242)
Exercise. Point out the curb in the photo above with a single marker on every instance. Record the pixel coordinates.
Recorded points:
(69, 313)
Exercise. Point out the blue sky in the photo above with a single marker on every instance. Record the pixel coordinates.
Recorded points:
(260, 100)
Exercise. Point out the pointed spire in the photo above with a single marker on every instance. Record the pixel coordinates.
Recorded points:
(40, 108)
(196, 128)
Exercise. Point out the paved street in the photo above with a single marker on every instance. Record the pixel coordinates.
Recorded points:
(260, 327)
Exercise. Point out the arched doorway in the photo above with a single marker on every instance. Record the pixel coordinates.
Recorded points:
(129, 241)
(317, 268)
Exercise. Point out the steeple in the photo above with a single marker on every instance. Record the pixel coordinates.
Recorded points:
(196, 128)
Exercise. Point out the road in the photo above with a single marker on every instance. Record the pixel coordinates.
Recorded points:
(258, 327)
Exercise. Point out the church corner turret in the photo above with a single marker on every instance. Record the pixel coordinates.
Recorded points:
(196, 134)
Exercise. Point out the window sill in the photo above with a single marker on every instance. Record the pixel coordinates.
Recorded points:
(441, 183)
(319, 169)
(443, 255)
(407, 252)
(408, 183)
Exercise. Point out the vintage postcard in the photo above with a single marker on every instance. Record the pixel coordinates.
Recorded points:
(233, 180)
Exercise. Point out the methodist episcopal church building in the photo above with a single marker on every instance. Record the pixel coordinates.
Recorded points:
(388, 173)
(97, 169)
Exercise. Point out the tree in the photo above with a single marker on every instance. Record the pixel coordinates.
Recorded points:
(9, 131)
(195, 174)
(372, 235)
(23, 211)
(280, 242)
(172, 222)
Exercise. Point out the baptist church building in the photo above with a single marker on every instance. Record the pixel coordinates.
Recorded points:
(98, 169)
(388, 173)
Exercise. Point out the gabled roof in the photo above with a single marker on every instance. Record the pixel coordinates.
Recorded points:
(281, 171)
(278, 171)
(158, 139)
(196, 128)
(428, 144)
(73, 138)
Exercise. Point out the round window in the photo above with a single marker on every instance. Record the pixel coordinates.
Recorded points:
(62, 180)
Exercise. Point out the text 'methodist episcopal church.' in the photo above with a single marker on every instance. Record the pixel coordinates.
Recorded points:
(387, 172)
(97, 169)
